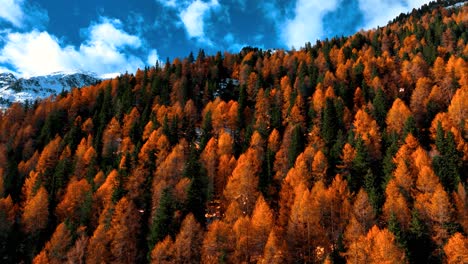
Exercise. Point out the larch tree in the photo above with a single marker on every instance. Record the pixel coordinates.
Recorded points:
(209, 159)
(57, 247)
(366, 128)
(337, 210)
(242, 185)
(49, 156)
(218, 244)
(396, 204)
(363, 211)
(458, 108)
(162, 252)
(169, 172)
(440, 214)
(98, 247)
(36, 212)
(275, 250)
(188, 243)
(461, 204)
(262, 223)
(319, 166)
(8, 211)
(244, 240)
(378, 246)
(397, 116)
(112, 136)
(456, 249)
(76, 204)
(77, 252)
(123, 232)
(419, 99)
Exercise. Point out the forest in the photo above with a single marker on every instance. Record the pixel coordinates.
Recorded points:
(350, 150)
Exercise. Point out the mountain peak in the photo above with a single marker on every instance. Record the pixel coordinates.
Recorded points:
(38, 87)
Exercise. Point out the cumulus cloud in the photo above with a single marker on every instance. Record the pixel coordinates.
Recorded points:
(193, 18)
(380, 12)
(11, 11)
(306, 25)
(106, 49)
(21, 14)
(153, 57)
(307, 22)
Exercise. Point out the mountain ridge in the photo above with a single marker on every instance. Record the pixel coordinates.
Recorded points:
(13, 89)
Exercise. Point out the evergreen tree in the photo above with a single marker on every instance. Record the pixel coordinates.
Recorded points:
(410, 128)
(360, 165)
(371, 187)
(162, 224)
(387, 163)
(380, 107)
(329, 122)
(419, 242)
(448, 162)
(197, 193)
(297, 145)
(207, 128)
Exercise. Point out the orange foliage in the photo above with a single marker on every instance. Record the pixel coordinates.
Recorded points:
(397, 116)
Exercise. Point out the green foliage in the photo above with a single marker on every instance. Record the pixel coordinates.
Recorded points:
(382, 53)
(297, 144)
(360, 166)
(207, 128)
(380, 107)
(447, 164)
(329, 122)
(419, 242)
(162, 223)
(198, 191)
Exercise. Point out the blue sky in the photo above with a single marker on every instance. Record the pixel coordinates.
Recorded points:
(114, 36)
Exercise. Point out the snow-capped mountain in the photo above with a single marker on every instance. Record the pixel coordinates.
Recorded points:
(14, 89)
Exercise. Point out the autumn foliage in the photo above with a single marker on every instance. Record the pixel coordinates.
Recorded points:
(350, 150)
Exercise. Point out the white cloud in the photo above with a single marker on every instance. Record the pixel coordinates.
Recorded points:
(193, 15)
(193, 18)
(234, 45)
(22, 14)
(105, 50)
(109, 33)
(152, 57)
(307, 22)
(11, 11)
(380, 12)
(167, 3)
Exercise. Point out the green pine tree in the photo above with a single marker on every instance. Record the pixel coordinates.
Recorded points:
(162, 224)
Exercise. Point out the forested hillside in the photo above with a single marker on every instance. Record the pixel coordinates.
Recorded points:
(353, 149)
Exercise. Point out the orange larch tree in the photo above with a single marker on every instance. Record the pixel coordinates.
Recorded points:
(397, 116)
(188, 243)
(124, 231)
(456, 249)
(76, 204)
(36, 211)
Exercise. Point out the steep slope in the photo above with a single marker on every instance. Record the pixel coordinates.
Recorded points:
(354, 150)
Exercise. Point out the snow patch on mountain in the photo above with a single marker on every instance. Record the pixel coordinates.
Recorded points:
(21, 90)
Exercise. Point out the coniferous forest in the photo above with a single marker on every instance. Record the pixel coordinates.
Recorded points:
(352, 149)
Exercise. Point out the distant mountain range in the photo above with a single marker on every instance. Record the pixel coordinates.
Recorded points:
(13, 89)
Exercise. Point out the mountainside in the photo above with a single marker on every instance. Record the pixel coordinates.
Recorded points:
(352, 150)
(39, 87)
